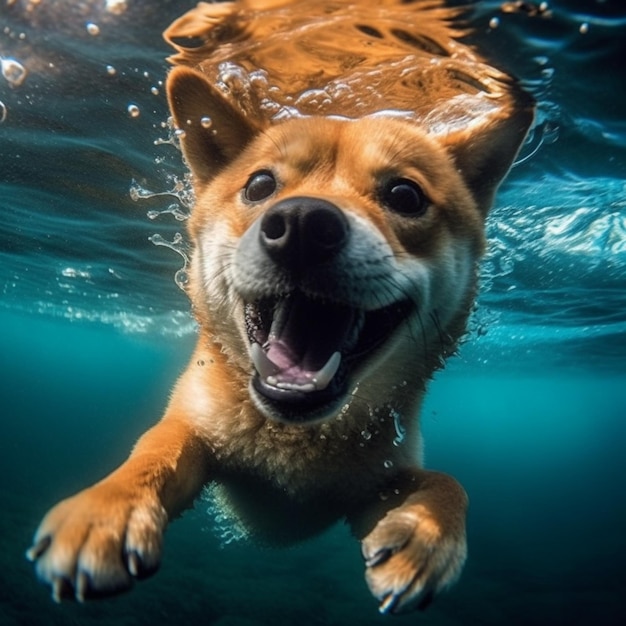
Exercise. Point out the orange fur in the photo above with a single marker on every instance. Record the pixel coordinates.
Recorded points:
(300, 218)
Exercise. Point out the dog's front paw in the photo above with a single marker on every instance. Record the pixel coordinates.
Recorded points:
(410, 556)
(97, 542)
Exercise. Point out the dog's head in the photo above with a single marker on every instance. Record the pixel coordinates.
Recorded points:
(329, 250)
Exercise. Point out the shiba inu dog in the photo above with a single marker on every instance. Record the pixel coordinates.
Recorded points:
(344, 156)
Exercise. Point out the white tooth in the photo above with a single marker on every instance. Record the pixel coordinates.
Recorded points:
(263, 365)
(306, 387)
(323, 377)
(268, 370)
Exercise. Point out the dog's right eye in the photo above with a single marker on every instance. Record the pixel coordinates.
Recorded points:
(260, 186)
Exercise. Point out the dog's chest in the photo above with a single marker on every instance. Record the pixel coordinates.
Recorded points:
(327, 458)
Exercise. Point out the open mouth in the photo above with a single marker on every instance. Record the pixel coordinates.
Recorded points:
(304, 349)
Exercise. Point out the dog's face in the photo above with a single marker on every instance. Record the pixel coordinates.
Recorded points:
(329, 250)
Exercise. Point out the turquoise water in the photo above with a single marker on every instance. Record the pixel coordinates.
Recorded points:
(530, 416)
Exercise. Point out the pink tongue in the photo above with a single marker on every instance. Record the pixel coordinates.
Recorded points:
(281, 355)
(287, 362)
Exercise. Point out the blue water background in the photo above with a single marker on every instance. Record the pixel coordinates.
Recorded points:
(530, 416)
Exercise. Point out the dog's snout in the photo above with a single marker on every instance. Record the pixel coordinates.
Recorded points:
(300, 232)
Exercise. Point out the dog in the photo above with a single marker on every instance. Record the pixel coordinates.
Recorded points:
(344, 157)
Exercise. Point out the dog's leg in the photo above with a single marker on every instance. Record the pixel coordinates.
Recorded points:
(98, 541)
(418, 547)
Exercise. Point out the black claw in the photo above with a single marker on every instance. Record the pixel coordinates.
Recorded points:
(379, 557)
(136, 566)
(61, 589)
(389, 603)
(82, 586)
(133, 564)
(426, 601)
(36, 550)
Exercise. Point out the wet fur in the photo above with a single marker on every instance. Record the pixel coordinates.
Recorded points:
(216, 430)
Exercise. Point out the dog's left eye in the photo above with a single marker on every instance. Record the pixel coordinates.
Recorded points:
(260, 185)
(404, 196)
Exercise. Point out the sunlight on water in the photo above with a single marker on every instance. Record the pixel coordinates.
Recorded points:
(571, 229)
(325, 61)
(172, 324)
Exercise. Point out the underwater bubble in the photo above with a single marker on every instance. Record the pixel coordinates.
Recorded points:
(13, 71)
(206, 122)
(111, 71)
(313, 98)
(388, 464)
(117, 7)
(366, 434)
(584, 28)
(154, 91)
(233, 77)
(3, 112)
(92, 29)
(494, 22)
(72, 272)
(181, 278)
(133, 110)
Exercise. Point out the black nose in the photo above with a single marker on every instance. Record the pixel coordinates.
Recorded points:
(301, 232)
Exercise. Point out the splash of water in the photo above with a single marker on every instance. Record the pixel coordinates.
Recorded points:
(398, 426)
(177, 245)
(226, 527)
(181, 191)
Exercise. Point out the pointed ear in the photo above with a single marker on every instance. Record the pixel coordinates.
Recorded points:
(485, 151)
(214, 131)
